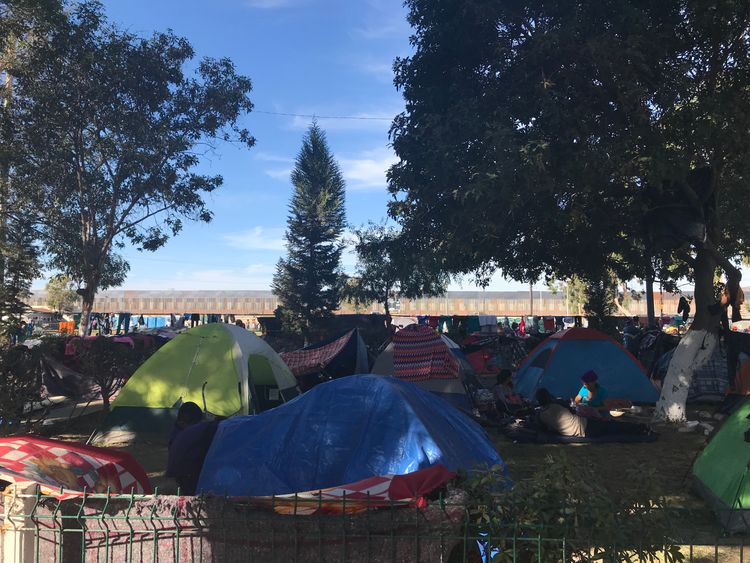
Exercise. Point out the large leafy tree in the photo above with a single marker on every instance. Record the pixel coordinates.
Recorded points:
(108, 128)
(61, 294)
(388, 269)
(579, 138)
(20, 268)
(309, 281)
(21, 21)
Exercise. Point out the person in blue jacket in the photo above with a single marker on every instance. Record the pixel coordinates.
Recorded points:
(591, 393)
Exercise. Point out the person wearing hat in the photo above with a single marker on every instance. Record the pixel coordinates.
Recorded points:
(591, 393)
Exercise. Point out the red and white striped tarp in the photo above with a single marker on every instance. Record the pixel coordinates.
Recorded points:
(374, 492)
(65, 469)
(303, 362)
(420, 354)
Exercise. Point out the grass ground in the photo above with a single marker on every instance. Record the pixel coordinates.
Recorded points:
(670, 459)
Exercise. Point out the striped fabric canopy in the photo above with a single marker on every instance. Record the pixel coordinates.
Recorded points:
(420, 354)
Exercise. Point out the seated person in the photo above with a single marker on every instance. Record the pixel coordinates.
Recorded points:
(188, 446)
(591, 393)
(558, 418)
(506, 400)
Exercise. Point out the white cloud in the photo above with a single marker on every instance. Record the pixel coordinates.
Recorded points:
(329, 120)
(367, 169)
(381, 70)
(279, 174)
(254, 276)
(267, 4)
(383, 20)
(257, 238)
(269, 157)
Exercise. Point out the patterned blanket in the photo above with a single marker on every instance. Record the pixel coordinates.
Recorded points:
(312, 360)
(65, 469)
(420, 354)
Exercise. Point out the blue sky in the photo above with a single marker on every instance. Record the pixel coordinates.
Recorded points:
(306, 57)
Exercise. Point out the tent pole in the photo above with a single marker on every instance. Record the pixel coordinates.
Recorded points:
(737, 500)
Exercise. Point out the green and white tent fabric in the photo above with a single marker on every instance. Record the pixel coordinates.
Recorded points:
(722, 471)
(223, 368)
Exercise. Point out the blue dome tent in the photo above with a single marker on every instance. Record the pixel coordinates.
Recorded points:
(559, 362)
(340, 432)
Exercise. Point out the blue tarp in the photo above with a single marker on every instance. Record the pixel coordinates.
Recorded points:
(340, 432)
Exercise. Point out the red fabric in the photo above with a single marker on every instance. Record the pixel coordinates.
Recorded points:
(549, 325)
(478, 361)
(419, 483)
(69, 466)
(303, 362)
(420, 354)
(432, 322)
(373, 492)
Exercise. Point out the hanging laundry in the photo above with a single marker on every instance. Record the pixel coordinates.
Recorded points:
(445, 324)
(472, 324)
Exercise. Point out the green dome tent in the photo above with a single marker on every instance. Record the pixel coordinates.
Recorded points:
(722, 472)
(222, 368)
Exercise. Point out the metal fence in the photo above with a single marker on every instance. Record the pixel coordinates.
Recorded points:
(131, 528)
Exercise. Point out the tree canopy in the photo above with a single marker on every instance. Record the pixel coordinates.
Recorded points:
(61, 294)
(387, 269)
(309, 281)
(581, 137)
(106, 126)
(553, 138)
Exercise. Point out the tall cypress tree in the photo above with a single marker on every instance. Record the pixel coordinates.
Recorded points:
(309, 281)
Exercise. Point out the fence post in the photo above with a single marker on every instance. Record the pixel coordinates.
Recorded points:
(18, 531)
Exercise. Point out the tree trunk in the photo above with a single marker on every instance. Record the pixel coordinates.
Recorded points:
(87, 306)
(696, 348)
(388, 319)
(650, 311)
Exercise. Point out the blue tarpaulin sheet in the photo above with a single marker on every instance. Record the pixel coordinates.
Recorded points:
(341, 432)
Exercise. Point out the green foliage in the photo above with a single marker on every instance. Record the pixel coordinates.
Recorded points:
(309, 282)
(574, 290)
(20, 386)
(20, 267)
(574, 138)
(115, 121)
(563, 500)
(387, 268)
(107, 364)
(61, 294)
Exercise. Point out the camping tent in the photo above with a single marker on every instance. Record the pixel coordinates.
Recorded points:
(330, 359)
(341, 432)
(558, 362)
(433, 361)
(721, 471)
(223, 368)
